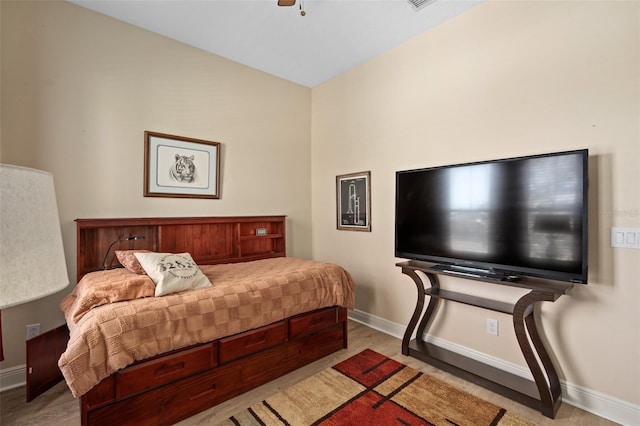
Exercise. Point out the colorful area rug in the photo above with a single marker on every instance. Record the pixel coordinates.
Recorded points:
(371, 389)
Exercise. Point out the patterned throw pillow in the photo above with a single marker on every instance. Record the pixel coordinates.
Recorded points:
(129, 261)
(171, 272)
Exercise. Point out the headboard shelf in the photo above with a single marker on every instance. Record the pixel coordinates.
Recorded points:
(210, 240)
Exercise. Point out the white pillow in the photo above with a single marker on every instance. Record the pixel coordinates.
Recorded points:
(171, 272)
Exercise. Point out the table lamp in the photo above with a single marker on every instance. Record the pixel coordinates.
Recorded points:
(32, 262)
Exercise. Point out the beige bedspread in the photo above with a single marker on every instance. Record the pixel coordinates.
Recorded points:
(243, 296)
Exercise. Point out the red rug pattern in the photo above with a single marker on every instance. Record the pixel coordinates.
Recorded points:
(372, 389)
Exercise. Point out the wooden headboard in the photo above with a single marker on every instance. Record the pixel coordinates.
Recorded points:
(210, 240)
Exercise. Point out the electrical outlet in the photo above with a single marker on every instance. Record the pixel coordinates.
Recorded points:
(33, 330)
(492, 326)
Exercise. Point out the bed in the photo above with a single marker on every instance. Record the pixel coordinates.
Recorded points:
(142, 359)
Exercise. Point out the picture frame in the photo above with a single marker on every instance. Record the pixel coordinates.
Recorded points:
(180, 167)
(353, 196)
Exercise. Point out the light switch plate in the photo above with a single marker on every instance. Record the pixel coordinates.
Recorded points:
(625, 237)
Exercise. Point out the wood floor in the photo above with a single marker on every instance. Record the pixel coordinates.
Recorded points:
(58, 407)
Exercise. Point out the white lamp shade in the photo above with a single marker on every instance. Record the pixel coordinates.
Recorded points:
(32, 262)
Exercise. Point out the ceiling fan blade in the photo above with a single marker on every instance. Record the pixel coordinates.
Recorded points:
(286, 2)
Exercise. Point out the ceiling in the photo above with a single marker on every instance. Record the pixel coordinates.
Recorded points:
(332, 37)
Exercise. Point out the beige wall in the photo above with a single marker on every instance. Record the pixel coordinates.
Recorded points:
(507, 78)
(78, 91)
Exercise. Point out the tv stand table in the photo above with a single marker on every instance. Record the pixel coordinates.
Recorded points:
(543, 393)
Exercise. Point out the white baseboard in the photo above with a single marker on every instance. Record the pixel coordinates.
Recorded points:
(606, 406)
(13, 377)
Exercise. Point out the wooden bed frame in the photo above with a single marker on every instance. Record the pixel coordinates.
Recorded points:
(171, 387)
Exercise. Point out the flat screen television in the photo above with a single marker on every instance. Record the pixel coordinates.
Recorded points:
(501, 219)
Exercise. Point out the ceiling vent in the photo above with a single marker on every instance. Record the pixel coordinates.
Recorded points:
(420, 4)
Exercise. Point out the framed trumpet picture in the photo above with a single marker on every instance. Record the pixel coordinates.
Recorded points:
(176, 166)
(354, 201)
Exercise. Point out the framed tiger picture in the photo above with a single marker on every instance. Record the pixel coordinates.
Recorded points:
(176, 166)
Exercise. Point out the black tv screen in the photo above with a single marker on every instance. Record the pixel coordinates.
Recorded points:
(508, 217)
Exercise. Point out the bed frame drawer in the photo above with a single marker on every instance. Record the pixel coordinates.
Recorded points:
(165, 369)
(176, 401)
(308, 323)
(174, 386)
(252, 341)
